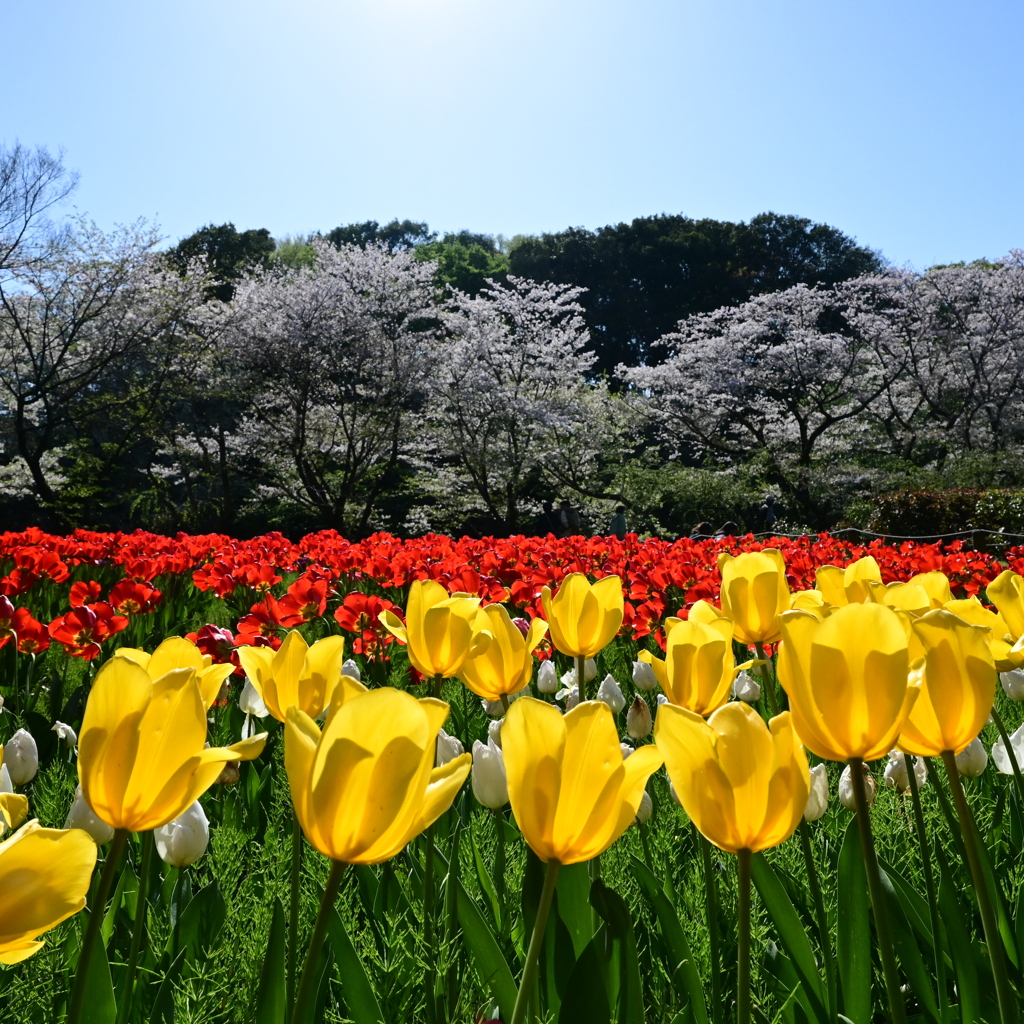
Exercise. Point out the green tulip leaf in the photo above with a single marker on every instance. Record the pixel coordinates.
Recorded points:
(271, 993)
(853, 941)
(487, 957)
(356, 988)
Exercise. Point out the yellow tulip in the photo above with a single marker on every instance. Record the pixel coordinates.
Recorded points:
(859, 583)
(1006, 592)
(438, 629)
(908, 597)
(571, 791)
(583, 616)
(141, 756)
(506, 664)
(699, 666)
(754, 593)
(296, 675)
(812, 601)
(1000, 641)
(44, 877)
(179, 652)
(958, 685)
(366, 786)
(936, 584)
(13, 806)
(847, 680)
(744, 784)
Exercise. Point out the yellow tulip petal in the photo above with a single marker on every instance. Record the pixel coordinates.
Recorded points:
(18, 951)
(211, 680)
(394, 625)
(174, 652)
(140, 657)
(445, 783)
(14, 808)
(301, 737)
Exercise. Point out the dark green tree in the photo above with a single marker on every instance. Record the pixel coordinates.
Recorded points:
(229, 254)
(643, 277)
(466, 260)
(404, 234)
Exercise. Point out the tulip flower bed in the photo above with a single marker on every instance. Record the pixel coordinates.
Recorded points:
(449, 780)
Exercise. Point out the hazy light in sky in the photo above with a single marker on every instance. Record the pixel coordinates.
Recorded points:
(899, 123)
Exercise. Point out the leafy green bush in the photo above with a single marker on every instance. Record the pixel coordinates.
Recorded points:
(949, 510)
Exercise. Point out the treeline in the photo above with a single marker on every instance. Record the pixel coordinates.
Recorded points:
(382, 377)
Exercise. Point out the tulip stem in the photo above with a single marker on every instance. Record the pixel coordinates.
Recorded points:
(993, 939)
(124, 1008)
(438, 683)
(890, 971)
(503, 697)
(711, 908)
(929, 885)
(1011, 755)
(293, 910)
(536, 939)
(76, 1005)
(743, 941)
(824, 939)
(581, 676)
(306, 994)
(428, 921)
(766, 678)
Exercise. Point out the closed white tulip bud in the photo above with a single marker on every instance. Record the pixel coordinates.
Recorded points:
(65, 734)
(973, 759)
(626, 750)
(81, 816)
(611, 693)
(183, 841)
(897, 775)
(547, 677)
(490, 785)
(746, 688)
(1000, 756)
(589, 670)
(250, 702)
(662, 699)
(817, 797)
(6, 786)
(351, 669)
(674, 794)
(21, 756)
(494, 731)
(846, 794)
(448, 748)
(1013, 683)
(1, 705)
(638, 719)
(643, 676)
(645, 810)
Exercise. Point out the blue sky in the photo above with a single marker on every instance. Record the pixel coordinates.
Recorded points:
(900, 122)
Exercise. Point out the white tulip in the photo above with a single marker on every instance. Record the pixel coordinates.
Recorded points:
(846, 794)
(1000, 756)
(662, 699)
(250, 703)
(351, 669)
(82, 816)
(645, 810)
(21, 756)
(973, 759)
(448, 748)
(490, 784)
(494, 731)
(547, 677)
(626, 750)
(638, 719)
(674, 794)
(1013, 683)
(495, 709)
(817, 797)
(897, 776)
(611, 693)
(571, 695)
(746, 688)
(589, 670)
(643, 676)
(183, 841)
(65, 734)
(6, 786)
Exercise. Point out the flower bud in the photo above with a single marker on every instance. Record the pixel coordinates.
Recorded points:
(1001, 757)
(448, 748)
(494, 731)
(229, 774)
(643, 676)
(973, 759)
(547, 677)
(589, 670)
(490, 786)
(645, 810)
(571, 694)
(65, 734)
(351, 669)
(522, 625)
(495, 709)
(898, 777)
(250, 702)
(638, 719)
(183, 841)
(611, 693)
(662, 699)
(81, 816)
(21, 756)
(674, 794)
(817, 797)
(745, 687)
(1013, 683)
(626, 750)
(846, 794)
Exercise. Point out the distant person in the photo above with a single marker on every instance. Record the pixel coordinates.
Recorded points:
(549, 521)
(570, 519)
(729, 529)
(617, 527)
(702, 530)
(767, 513)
